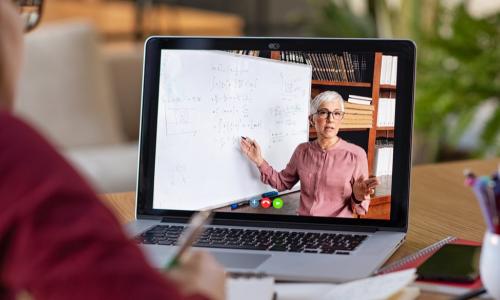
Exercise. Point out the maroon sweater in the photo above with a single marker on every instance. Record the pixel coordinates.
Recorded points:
(57, 240)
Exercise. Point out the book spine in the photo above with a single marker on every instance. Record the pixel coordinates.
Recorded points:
(314, 66)
(394, 71)
(346, 64)
(363, 68)
(351, 67)
(307, 61)
(344, 68)
(328, 66)
(356, 68)
(335, 67)
(323, 66)
(317, 66)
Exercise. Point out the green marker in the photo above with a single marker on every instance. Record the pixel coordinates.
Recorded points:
(278, 203)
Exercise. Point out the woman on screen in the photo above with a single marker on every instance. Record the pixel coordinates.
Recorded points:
(333, 173)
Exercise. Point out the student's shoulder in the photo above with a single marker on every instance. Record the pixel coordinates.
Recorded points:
(20, 139)
(10, 124)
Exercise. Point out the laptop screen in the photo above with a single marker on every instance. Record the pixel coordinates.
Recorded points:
(296, 133)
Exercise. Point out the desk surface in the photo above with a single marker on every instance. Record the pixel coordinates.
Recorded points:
(440, 205)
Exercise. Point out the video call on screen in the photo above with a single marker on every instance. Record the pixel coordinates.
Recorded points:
(210, 99)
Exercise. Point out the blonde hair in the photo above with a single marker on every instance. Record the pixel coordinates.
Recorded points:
(326, 96)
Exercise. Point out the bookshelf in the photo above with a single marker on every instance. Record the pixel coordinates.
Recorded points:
(376, 90)
(372, 87)
(380, 204)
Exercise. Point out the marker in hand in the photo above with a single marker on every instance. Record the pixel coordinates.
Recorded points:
(252, 150)
(248, 140)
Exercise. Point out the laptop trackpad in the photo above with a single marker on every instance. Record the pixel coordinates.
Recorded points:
(240, 260)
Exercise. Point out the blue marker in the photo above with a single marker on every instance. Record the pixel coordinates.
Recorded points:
(239, 205)
(270, 194)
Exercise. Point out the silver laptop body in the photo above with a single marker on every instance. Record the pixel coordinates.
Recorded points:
(383, 237)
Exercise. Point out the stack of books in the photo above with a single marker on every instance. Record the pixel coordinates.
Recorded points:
(345, 67)
(389, 70)
(386, 112)
(357, 115)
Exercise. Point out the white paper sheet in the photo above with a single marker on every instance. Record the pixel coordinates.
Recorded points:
(250, 288)
(372, 288)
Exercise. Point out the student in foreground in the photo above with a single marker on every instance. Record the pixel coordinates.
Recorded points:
(333, 173)
(57, 240)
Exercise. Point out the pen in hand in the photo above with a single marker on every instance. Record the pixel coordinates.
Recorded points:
(251, 150)
(249, 140)
(190, 236)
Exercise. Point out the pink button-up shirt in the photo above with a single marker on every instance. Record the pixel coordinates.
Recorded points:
(326, 178)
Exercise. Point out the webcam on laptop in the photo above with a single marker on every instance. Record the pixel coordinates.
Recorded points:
(274, 46)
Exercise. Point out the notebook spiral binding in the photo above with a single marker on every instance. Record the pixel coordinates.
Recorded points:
(412, 257)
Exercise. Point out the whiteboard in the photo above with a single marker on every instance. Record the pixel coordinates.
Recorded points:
(209, 99)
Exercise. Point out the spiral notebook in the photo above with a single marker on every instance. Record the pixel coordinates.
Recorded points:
(416, 259)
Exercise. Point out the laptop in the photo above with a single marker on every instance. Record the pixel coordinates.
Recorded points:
(201, 95)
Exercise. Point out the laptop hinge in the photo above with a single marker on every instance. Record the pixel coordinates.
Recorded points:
(265, 224)
(182, 220)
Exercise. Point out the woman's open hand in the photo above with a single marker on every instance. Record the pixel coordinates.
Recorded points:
(251, 150)
(363, 188)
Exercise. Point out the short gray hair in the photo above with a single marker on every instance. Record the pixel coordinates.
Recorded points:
(326, 96)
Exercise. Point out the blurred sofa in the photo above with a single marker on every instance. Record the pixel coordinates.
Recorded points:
(85, 98)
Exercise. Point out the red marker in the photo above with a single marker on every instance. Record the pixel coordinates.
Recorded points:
(265, 202)
(470, 178)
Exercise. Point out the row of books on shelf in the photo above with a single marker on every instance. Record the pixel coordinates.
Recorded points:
(384, 150)
(346, 67)
(386, 112)
(389, 70)
(255, 53)
(357, 116)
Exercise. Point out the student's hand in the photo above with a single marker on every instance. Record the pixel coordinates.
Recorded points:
(363, 188)
(200, 274)
(252, 150)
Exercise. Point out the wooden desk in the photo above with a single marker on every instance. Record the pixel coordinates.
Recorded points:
(440, 206)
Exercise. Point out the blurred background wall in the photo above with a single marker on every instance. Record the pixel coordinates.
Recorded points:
(457, 108)
(457, 114)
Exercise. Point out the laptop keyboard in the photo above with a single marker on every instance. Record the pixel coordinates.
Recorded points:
(264, 240)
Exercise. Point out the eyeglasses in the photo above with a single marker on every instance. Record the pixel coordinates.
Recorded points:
(325, 114)
(31, 12)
